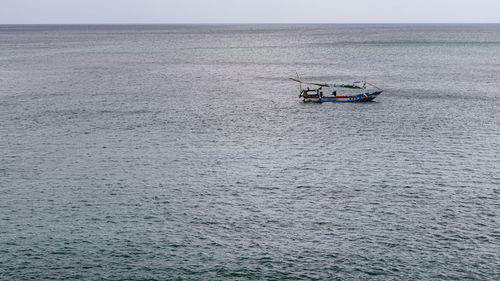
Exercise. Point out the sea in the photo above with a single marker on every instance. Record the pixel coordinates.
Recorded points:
(182, 152)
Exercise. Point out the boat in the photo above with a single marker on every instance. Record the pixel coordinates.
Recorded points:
(362, 91)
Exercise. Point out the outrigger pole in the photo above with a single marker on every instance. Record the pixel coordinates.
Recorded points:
(374, 86)
(348, 86)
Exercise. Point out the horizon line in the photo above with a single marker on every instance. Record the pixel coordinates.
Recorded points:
(237, 23)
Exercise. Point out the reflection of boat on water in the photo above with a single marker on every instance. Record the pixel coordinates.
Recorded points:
(316, 94)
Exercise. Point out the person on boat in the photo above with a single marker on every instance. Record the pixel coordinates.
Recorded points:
(334, 93)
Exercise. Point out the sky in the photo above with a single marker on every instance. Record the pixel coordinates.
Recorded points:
(248, 11)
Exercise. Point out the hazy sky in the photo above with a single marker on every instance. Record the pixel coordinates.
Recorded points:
(249, 11)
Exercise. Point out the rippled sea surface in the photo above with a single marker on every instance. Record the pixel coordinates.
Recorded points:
(183, 152)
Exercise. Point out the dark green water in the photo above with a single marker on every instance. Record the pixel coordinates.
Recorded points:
(183, 152)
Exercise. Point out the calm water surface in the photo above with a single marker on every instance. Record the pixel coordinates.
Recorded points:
(183, 152)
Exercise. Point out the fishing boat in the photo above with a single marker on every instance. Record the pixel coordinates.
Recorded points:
(360, 91)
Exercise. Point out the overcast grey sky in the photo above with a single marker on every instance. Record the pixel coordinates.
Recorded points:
(249, 11)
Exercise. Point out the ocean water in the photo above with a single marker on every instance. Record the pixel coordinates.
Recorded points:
(182, 152)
